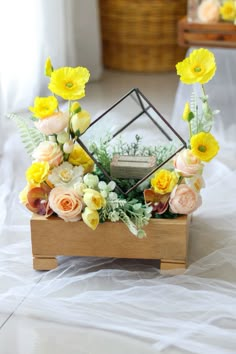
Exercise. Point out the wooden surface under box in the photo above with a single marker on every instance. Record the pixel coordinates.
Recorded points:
(167, 240)
(219, 34)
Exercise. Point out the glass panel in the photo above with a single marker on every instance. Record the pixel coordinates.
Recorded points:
(137, 141)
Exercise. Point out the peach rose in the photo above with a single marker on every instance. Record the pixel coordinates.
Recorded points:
(209, 11)
(187, 164)
(54, 124)
(48, 151)
(184, 200)
(66, 203)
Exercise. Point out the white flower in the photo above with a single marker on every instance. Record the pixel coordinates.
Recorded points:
(66, 175)
(91, 180)
(80, 188)
(105, 188)
(114, 216)
(112, 196)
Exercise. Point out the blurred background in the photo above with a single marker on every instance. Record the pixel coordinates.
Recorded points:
(123, 43)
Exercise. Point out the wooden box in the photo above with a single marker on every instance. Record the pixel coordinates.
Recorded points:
(167, 240)
(219, 34)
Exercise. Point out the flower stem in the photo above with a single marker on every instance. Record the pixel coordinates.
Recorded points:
(203, 90)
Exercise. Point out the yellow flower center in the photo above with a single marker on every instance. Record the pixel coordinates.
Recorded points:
(69, 84)
(202, 148)
(197, 69)
(65, 175)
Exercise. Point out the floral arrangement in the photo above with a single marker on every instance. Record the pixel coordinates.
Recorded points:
(64, 180)
(212, 11)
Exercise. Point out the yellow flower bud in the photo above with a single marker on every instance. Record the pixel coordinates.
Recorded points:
(75, 107)
(186, 111)
(90, 218)
(80, 122)
(48, 68)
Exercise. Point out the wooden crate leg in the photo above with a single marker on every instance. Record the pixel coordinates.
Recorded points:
(44, 263)
(169, 264)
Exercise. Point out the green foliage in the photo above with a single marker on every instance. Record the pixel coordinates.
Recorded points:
(103, 152)
(133, 214)
(203, 118)
(30, 136)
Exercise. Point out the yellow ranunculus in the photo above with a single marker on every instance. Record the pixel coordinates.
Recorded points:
(204, 146)
(79, 157)
(164, 181)
(90, 218)
(37, 172)
(48, 68)
(80, 122)
(93, 199)
(228, 10)
(44, 106)
(69, 83)
(199, 67)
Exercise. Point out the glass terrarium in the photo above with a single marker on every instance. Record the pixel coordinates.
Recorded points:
(130, 141)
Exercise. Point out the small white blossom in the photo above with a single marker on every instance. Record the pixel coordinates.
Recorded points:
(66, 175)
(91, 180)
(114, 216)
(112, 196)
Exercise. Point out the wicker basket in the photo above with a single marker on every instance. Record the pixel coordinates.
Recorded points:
(140, 35)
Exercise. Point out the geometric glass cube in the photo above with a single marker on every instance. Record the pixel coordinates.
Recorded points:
(132, 117)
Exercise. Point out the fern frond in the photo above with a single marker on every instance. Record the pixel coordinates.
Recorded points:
(30, 136)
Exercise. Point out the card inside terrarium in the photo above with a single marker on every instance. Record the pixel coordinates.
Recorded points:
(130, 141)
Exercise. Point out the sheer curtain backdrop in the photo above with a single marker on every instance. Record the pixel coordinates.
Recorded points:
(30, 31)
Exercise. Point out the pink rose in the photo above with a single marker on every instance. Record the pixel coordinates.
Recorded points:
(54, 124)
(209, 11)
(66, 203)
(186, 164)
(184, 200)
(48, 151)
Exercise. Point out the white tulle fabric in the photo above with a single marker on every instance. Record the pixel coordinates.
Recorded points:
(194, 312)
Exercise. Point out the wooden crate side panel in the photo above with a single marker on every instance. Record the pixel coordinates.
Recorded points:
(212, 35)
(53, 237)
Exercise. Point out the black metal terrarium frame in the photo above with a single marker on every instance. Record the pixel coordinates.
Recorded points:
(139, 98)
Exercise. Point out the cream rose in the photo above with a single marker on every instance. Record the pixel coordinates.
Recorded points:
(48, 151)
(54, 124)
(187, 164)
(66, 203)
(209, 11)
(184, 200)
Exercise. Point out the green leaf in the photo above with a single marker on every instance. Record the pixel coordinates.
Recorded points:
(30, 136)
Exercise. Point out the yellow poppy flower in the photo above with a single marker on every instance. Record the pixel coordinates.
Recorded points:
(69, 83)
(228, 11)
(204, 146)
(199, 67)
(37, 172)
(78, 157)
(164, 181)
(44, 106)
